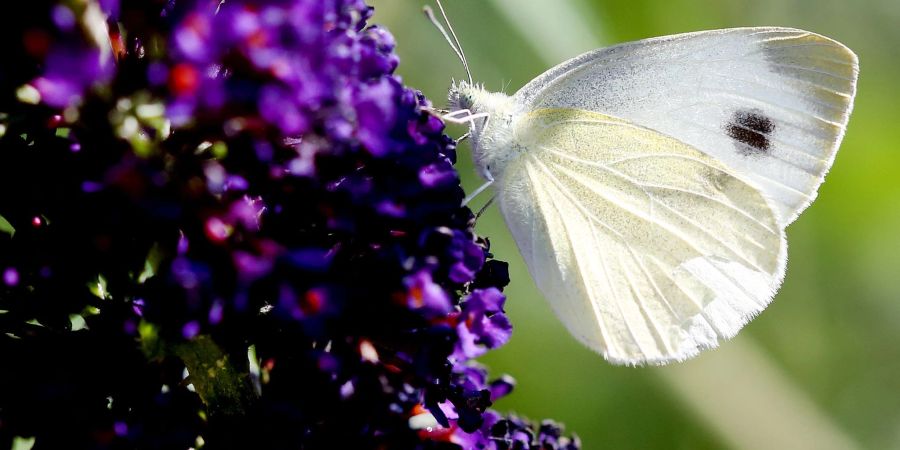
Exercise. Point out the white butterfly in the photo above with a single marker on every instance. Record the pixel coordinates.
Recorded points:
(648, 185)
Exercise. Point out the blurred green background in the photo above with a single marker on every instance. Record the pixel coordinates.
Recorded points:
(820, 368)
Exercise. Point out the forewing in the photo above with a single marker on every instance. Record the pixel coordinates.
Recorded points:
(771, 103)
(648, 249)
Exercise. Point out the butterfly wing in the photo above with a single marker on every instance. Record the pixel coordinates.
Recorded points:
(648, 249)
(771, 103)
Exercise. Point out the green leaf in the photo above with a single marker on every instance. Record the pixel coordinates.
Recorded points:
(151, 344)
(151, 264)
(6, 227)
(223, 383)
(98, 288)
(22, 443)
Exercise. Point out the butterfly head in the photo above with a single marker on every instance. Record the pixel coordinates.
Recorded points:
(489, 116)
(464, 95)
(475, 100)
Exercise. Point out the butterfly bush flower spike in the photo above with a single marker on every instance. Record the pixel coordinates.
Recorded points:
(229, 225)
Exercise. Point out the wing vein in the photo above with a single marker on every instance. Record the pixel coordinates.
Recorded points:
(601, 324)
(713, 236)
(641, 301)
(648, 185)
(568, 196)
(589, 288)
(810, 69)
(778, 89)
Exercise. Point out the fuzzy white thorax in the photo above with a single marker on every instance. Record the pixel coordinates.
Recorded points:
(492, 136)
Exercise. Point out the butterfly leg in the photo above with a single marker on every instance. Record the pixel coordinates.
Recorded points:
(470, 197)
(464, 116)
(454, 114)
(485, 207)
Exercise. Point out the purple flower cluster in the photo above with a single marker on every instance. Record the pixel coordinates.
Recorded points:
(228, 225)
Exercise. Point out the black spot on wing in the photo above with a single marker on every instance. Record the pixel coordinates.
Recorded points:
(751, 129)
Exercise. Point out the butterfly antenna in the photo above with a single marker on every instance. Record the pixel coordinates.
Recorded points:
(429, 13)
(455, 39)
(454, 43)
